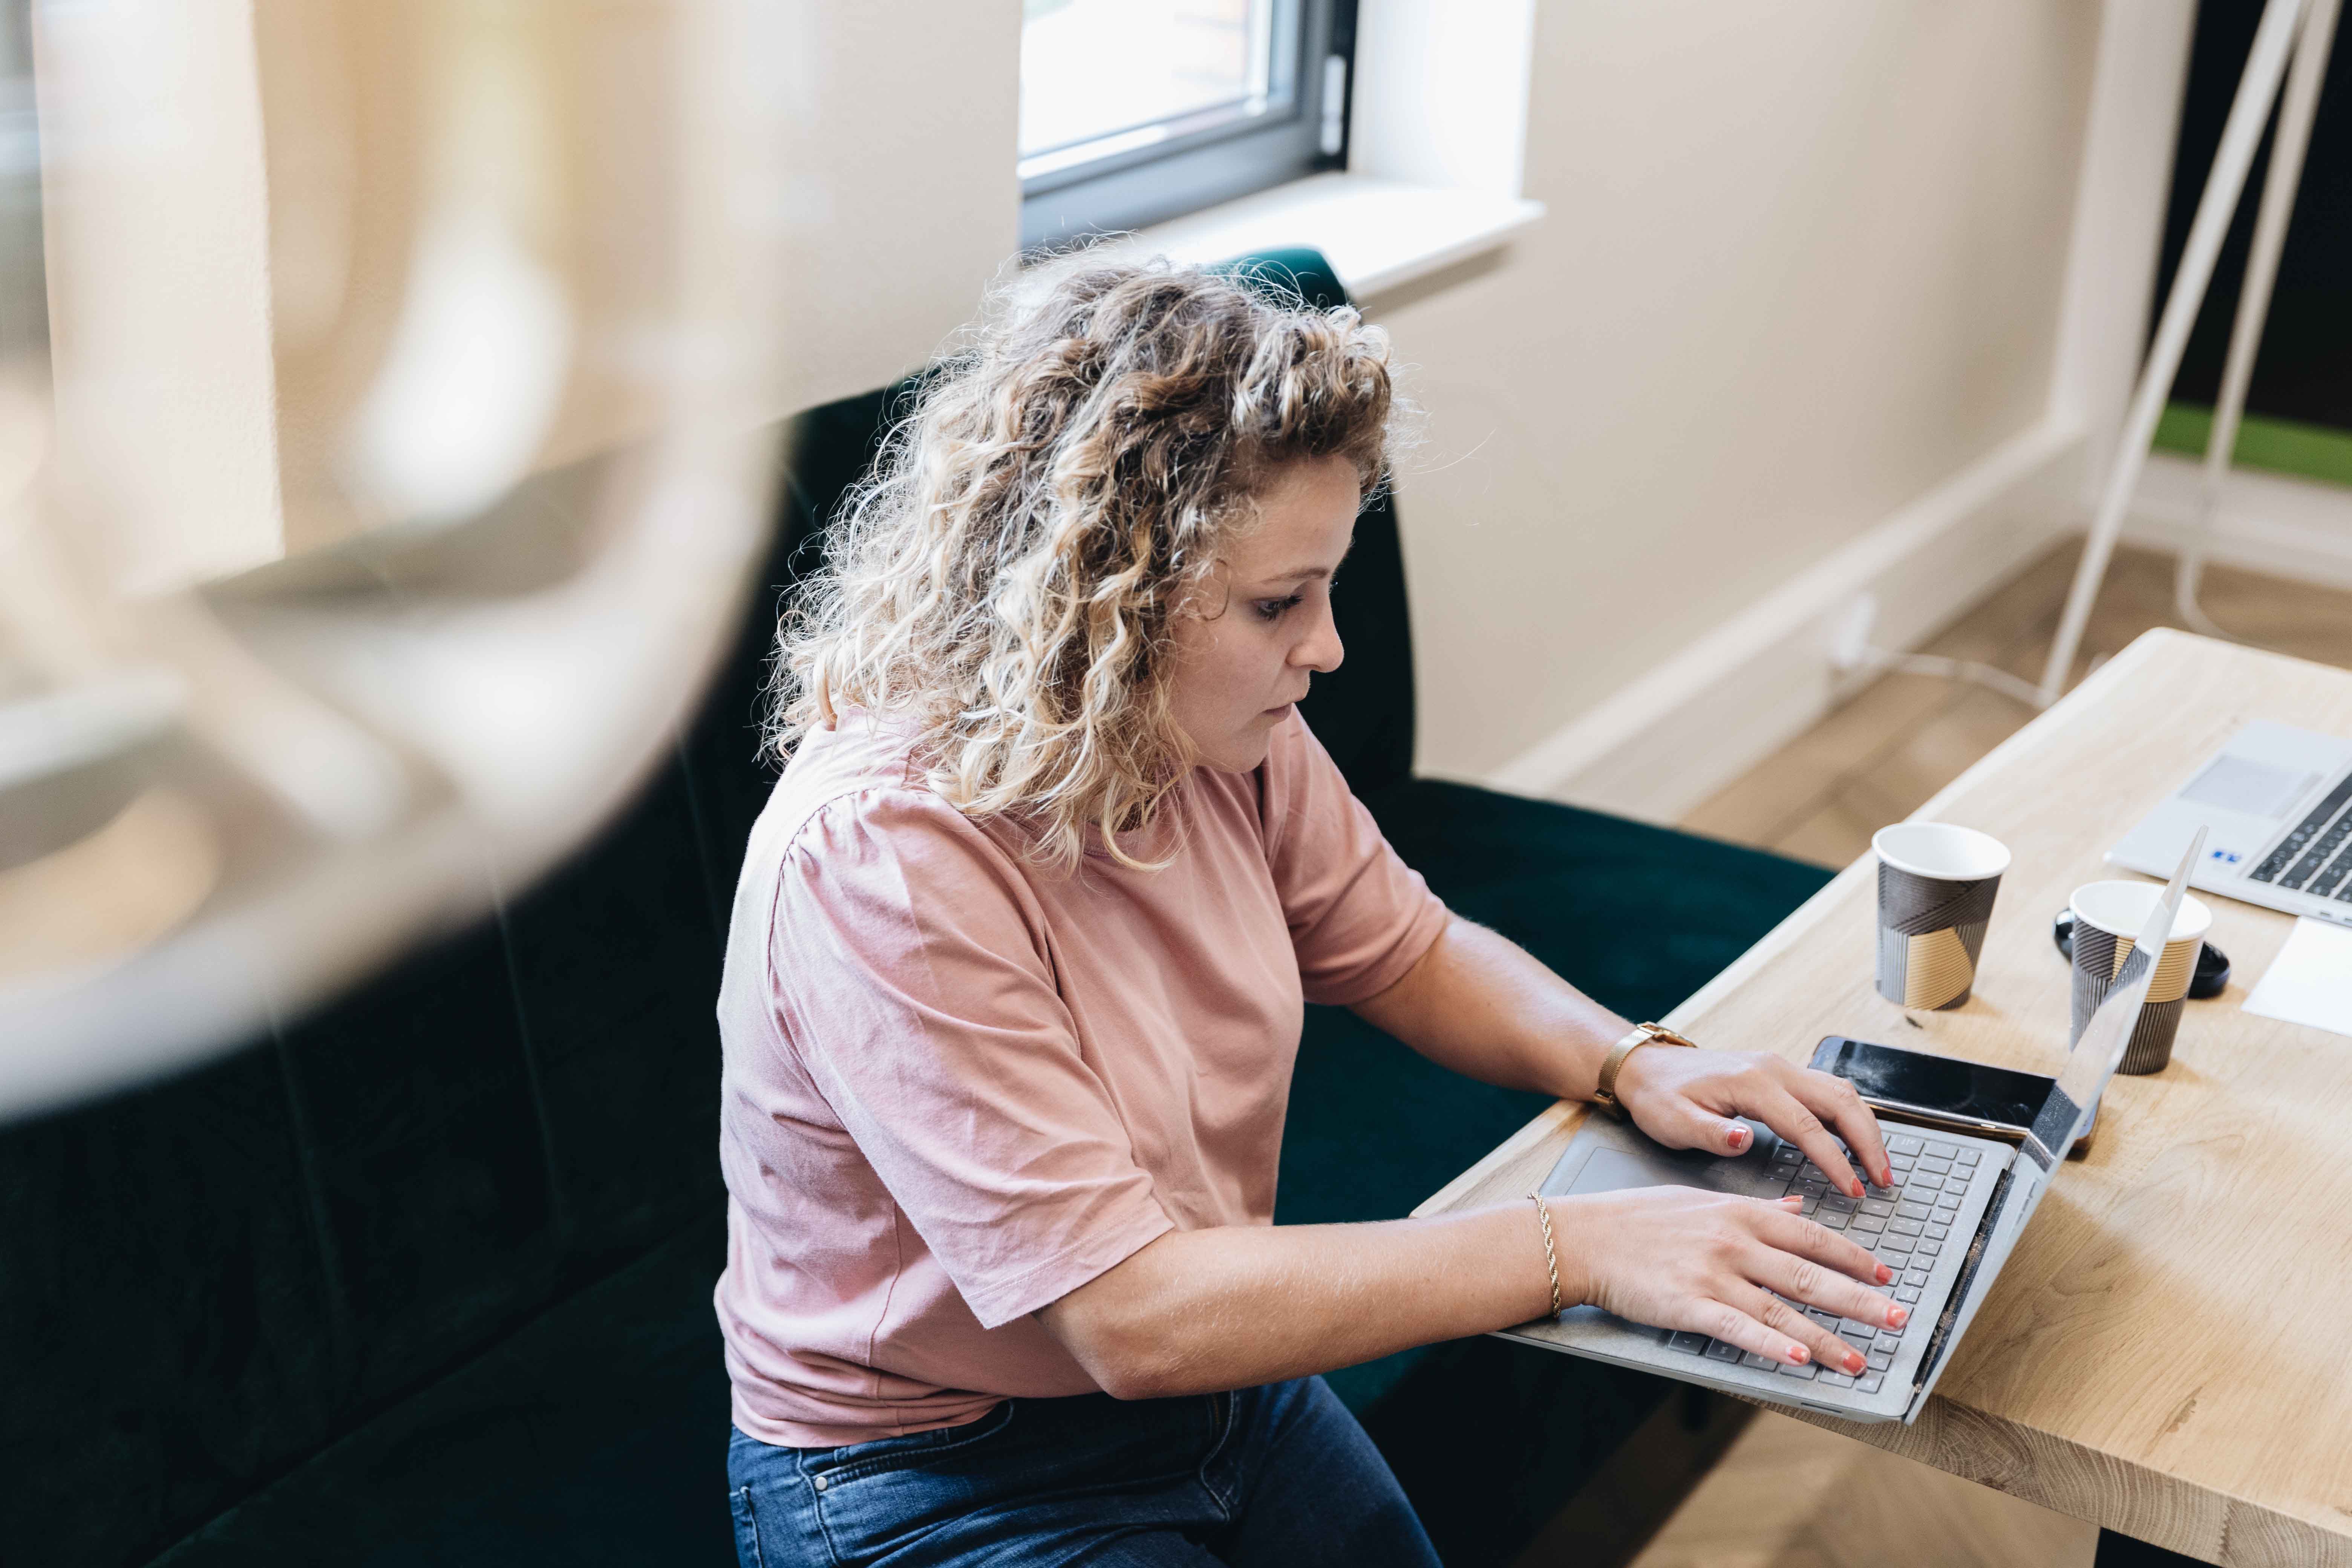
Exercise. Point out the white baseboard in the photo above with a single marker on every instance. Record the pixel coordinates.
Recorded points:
(1687, 728)
(2272, 523)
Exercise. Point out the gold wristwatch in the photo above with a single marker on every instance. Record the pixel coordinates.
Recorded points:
(1604, 1092)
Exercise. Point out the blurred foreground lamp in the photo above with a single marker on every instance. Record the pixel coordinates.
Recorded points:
(384, 453)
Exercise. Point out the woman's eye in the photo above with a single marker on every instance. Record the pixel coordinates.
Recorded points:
(1273, 609)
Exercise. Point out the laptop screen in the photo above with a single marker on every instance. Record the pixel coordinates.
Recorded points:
(2098, 1053)
(2089, 1066)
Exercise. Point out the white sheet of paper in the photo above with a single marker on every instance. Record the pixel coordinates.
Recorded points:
(2310, 981)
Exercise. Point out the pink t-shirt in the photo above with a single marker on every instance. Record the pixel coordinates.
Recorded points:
(958, 1086)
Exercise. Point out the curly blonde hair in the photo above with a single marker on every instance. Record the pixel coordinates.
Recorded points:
(1003, 579)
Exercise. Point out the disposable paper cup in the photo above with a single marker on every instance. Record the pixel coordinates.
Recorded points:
(1936, 887)
(2107, 918)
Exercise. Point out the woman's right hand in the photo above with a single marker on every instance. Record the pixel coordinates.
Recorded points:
(1683, 1258)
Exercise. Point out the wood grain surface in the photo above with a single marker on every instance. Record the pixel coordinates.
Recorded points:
(2167, 1351)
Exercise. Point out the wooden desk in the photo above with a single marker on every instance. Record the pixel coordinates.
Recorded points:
(2167, 1351)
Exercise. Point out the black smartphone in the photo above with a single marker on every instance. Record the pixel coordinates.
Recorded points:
(1940, 1091)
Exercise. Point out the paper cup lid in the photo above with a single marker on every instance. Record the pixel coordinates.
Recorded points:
(2121, 908)
(1939, 849)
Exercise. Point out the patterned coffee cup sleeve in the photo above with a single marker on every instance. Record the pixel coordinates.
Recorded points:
(1930, 935)
(2098, 957)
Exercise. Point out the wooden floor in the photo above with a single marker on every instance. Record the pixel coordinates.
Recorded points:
(1786, 1495)
(1791, 1496)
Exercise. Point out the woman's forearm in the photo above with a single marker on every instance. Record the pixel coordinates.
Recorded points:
(1483, 1005)
(1200, 1310)
(1197, 1311)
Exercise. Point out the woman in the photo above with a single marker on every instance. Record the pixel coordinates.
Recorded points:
(1015, 979)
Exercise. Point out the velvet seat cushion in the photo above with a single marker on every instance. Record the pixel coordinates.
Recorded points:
(594, 1436)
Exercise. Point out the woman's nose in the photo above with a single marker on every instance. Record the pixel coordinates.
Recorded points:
(1320, 650)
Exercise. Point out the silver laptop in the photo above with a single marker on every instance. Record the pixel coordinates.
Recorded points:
(2277, 805)
(1960, 1206)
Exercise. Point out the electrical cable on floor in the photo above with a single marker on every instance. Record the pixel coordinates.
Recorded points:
(1877, 661)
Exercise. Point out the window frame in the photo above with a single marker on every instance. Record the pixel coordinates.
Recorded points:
(1167, 179)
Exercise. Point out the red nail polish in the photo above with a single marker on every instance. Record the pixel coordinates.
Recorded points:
(1796, 1356)
(1853, 1362)
(1885, 1274)
(1897, 1316)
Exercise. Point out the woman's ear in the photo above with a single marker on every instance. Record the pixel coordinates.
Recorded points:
(1208, 597)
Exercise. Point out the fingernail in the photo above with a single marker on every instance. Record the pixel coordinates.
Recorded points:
(1853, 1362)
(1793, 1202)
(1739, 1137)
(1885, 1275)
(1796, 1356)
(1897, 1316)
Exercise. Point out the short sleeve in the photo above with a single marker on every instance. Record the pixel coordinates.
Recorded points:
(1359, 917)
(914, 987)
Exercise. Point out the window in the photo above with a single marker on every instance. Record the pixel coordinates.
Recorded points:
(1136, 111)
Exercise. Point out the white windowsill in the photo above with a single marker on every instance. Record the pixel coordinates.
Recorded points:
(1376, 233)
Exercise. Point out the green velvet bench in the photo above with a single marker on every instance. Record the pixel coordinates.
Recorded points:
(373, 1289)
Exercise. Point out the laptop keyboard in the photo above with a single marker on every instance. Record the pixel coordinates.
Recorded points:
(1906, 1228)
(2309, 858)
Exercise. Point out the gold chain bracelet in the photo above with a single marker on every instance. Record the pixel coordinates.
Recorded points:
(1551, 1258)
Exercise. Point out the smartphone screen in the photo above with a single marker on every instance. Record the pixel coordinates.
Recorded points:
(1955, 1088)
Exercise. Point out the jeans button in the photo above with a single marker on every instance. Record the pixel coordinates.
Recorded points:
(818, 1482)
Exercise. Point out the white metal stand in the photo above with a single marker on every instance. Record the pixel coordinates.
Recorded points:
(2287, 149)
(2303, 29)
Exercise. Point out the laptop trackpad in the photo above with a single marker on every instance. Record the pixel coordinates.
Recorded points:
(1614, 1169)
(2240, 783)
(1626, 1159)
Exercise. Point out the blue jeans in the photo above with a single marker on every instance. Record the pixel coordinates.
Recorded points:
(1279, 1476)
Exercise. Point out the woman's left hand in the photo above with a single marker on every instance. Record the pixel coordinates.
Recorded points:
(1691, 1098)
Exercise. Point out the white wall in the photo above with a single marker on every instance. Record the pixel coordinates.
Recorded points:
(909, 205)
(1804, 263)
